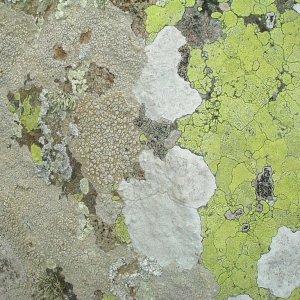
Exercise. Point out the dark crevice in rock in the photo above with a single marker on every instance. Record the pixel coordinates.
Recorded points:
(155, 132)
(184, 62)
(198, 27)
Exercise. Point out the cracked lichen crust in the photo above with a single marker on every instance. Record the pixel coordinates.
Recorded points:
(197, 283)
(279, 269)
(165, 94)
(160, 211)
(108, 142)
(37, 221)
(247, 129)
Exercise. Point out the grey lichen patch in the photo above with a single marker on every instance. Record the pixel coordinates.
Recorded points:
(126, 276)
(198, 27)
(36, 8)
(197, 283)
(107, 144)
(11, 270)
(229, 215)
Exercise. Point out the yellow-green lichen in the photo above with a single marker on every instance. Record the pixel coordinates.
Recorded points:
(109, 297)
(158, 17)
(250, 121)
(122, 230)
(30, 116)
(36, 154)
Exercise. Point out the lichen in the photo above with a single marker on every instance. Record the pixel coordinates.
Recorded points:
(247, 123)
(122, 230)
(160, 16)
(36, 154)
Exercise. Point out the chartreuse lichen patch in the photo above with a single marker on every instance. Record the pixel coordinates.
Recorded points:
(36, 154)
(248, 125)
(26, 106)
(160, 16)
(122, 230)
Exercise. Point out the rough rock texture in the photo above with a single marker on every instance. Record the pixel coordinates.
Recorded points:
(177, 284)
(279, 269)
(161, 211)
(164, 93)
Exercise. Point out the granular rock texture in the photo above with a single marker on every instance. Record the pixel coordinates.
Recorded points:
(108, 143)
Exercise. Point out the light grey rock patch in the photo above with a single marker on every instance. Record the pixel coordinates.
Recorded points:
(279, 269)
(240, 297)
(165, 94)
(174, 283)
(161, 211)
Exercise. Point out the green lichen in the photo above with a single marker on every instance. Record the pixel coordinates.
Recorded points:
(30, 116)
(158, 17)
(109, 297)
(122, 230)
(143, 138)
(250, 120)
(78, 197)
(36, 154)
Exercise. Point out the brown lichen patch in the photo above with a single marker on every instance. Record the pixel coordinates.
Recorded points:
(105, 234)
(99, 79)
(198, 27)
(137, 9)
(59, 53)
(183, 65)
(85, 37)
(107, 145)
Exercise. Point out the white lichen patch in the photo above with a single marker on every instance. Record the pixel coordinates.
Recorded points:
(279, 269)
(161, 211)
(297, 7)
(164, 93)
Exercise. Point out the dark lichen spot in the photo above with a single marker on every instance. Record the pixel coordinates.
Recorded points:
(183, 65)
(245, 227)
(99, 79)
(59, 53)
(264, 185)
(198, 27)
(258, 20)
(259, 207)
